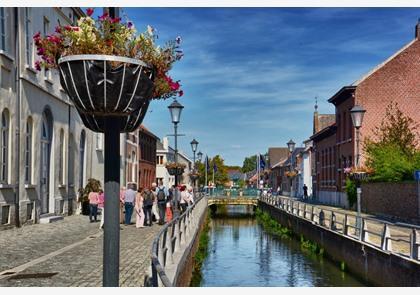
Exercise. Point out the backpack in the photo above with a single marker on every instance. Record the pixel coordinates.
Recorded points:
(148, 198)
(161, 197)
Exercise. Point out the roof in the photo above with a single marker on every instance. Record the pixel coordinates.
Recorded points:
(328, 131)
(371, 72)
(341, 94)
(279, 164)
(235, 174)
(325, 120)
(276, 154)
(143, 129)
(294, 154)
(159, 145)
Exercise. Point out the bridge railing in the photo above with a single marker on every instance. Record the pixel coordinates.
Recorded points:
(398, 238)
(174, 241)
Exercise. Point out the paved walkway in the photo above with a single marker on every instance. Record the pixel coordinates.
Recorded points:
(71, 248)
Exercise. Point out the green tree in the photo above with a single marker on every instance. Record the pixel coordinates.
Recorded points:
(250, 163)
(393, 153)
(220, 177)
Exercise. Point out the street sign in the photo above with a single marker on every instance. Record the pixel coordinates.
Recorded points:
(417, 175)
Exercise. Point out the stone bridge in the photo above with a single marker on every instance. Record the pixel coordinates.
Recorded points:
(224, 200)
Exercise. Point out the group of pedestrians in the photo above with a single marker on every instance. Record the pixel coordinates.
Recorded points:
(155, 203)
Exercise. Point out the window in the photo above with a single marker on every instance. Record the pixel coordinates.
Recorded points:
(133, 167)
(28, 151)
(160, 160)
(61, 158)
(4, 146)
(2, 29)
(46, 26)
(99, 141)
(28, 36)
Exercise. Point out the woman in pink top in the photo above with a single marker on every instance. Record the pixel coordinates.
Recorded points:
(101, 204)
(93, 206)
(139, 208)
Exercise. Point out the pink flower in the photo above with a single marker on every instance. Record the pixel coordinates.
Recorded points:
(41, 51)
(104, 16)
(37, 36)
(115, 20)
(58, 29)
(38, 65)
(89, 11)
(129, 25)
(347, 170)
(180, 93)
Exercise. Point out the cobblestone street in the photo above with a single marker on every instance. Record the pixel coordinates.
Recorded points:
(71, 248)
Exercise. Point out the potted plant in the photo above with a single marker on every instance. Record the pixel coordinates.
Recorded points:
(107, 69)
(290, 174)
(93, 185)
(175, 168)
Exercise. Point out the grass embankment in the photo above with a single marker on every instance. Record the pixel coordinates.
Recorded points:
(201, 254)
(273, 227)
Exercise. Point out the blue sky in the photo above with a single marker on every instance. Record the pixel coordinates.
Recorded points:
(250, 75)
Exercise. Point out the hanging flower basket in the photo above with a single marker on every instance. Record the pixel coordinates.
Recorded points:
(175, 171)
(194, 176)
(358, 174)
(109, 70)
(97, 89)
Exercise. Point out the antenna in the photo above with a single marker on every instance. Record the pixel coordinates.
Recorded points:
(316, 103)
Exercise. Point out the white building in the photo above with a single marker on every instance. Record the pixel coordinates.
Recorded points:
(305, 169)
(44, 155)
(164, 154)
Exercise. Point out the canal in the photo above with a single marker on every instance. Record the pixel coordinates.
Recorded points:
(241, 253)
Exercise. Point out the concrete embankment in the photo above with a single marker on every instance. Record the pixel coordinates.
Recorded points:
(381, 268)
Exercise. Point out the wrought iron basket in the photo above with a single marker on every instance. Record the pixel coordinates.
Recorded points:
(175, 171)
(359, 176)
(105, 85)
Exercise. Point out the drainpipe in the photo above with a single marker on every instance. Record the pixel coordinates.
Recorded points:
(69, 200)
(18, 115)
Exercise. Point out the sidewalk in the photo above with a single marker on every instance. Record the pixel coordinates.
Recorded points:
(70, 253)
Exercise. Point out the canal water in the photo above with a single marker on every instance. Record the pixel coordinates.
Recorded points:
(242, 254)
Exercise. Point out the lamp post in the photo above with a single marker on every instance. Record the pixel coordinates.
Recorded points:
(175, 109)
(291, 146)
(199, 157)
(194, 144)
(357, 113)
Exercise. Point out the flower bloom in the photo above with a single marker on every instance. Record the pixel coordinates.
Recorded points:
(104, 16)
(178, 40)
(115, 20)
(38, 65)
(129, 25)
(180, 93)
(89, 11)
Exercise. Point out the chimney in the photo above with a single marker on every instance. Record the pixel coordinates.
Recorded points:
(417, 33)
(165, 143)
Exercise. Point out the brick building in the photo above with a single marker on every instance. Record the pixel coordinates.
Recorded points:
(394, 80)
(147, 159)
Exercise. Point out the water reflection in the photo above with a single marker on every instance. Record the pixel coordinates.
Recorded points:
(242, 254)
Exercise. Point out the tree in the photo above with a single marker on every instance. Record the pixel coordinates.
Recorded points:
(393, 154)
(250, 163)
(220, 177)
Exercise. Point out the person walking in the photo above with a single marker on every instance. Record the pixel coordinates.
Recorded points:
(129, 198)
(169, 205)
(139, 208)
(101, 205)
(190, 196)
(184, 199)
(155, 206)
(305, 191)
(122, 195)
(147, 205)
(93, 206)
(161, 202)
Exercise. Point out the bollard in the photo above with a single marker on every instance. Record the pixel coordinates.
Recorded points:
(414, 251)
(321, 218)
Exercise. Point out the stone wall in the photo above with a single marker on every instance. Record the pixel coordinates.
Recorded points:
(394, 200)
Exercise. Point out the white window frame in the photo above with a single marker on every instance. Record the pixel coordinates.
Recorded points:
(28, 150)
(3, 29)
(4, 146)
(99, 142)
(29, 52)
(62, 157)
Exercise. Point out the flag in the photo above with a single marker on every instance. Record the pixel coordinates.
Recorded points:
(262, 162)
(207, 163)
(214, 167)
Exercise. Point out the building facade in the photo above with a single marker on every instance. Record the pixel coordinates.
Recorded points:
(44, 145)
(148, 157)
(165, 154)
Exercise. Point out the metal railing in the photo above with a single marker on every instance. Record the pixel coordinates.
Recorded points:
(172, 241)
(398, 238)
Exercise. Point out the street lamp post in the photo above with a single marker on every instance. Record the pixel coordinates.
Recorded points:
(199, 157)
(175, 109)
(291, 146)
(357, 113)
(194, 144)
